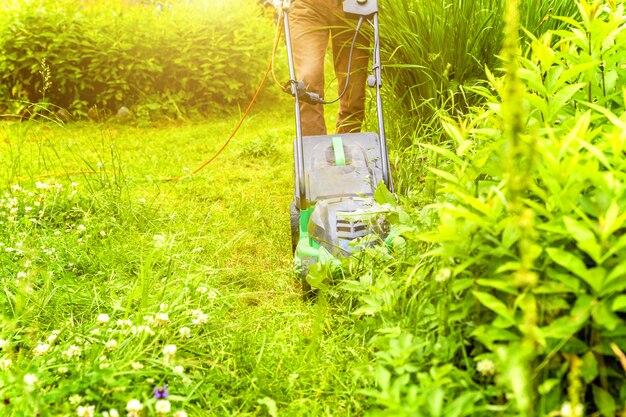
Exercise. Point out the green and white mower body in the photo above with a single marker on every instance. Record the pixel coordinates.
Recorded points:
(341, 173)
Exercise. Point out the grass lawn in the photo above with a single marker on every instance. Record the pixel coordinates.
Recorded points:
(116, 280)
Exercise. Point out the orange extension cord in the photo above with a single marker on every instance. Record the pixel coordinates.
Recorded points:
(270, 68)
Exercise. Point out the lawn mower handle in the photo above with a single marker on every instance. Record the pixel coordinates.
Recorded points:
(301, 202)
(376, 79)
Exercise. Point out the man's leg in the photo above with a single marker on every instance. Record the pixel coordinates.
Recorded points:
(309, 33)
(352, 104)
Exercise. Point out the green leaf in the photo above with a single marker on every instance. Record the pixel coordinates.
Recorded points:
(445, 175)
(589, 367)
(445, 152)
(548, 385)
(461, 284)
(575, 265)
(585, 238)
(612, 220)
(562, 97)
(495, 305)
(435, 402)
(615, 281)
(489, 335)
(382, 195)
(604, 401)
(566, 326)
(510, 235)
(453, 131)
(506, 286)
(619, 304)
(463, 405)
(603, 316)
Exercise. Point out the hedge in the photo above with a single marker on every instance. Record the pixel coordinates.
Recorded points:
(188, 56)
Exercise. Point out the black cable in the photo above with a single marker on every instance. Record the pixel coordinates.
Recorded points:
(345, 87)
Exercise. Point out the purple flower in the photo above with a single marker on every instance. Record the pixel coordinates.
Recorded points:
(161, 393)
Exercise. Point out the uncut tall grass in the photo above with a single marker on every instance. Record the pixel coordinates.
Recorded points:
(432, 48)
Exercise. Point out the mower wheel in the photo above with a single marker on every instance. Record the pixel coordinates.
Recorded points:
(294, 213)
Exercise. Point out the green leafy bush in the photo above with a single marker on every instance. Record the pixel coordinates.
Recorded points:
(506, 296)
(200, 55)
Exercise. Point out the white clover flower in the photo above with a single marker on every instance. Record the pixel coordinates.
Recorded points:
(568, 411)
(103, 362)
(180, 413)
(162, 319)
(178, 370)
(159, 241)
(486, 367)
(86, 411)
(212, 295)
(163, 307)
(111, 345)
(169, 350)
(41, 349)
(200, 318)
(72, 352)
(21, 274)
(136, 366)
(186, 381)
(134, 406)
(124, 323)
(443, 275)
(63, 370)
(75, 399)
(52, 338)
(185, 332)
(5, 364)
(42, 186)
(163, 407)
(81, 228)
(102, 319)
(201, 290)
(142, 200)
(111, 413)
(3, 343)
(141, 330)
(103, 233)
(148, 319)
(30, 379)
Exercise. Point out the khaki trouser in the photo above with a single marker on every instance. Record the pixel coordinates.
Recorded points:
(312, 23)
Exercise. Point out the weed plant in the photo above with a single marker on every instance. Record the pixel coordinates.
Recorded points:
(505, 296)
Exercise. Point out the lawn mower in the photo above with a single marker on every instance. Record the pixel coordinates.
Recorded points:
(336, 176)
